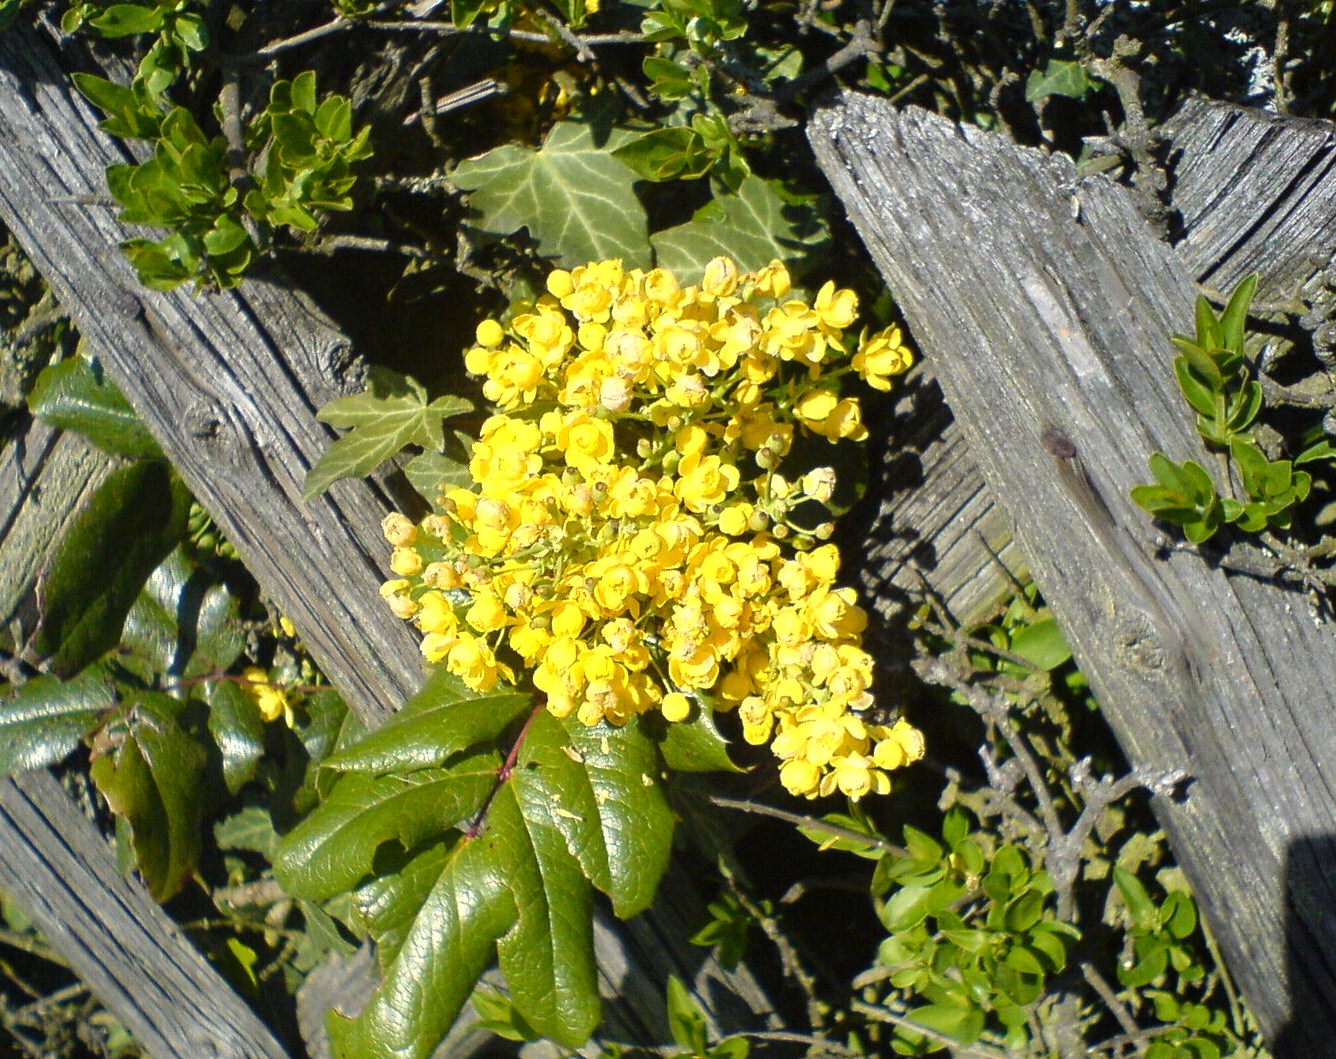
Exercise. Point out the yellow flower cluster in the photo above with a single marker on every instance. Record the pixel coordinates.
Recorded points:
(630, 539)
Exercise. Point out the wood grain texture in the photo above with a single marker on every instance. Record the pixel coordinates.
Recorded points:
(60, 870)
(1043, 302)
(229, 384)
(1253, 193)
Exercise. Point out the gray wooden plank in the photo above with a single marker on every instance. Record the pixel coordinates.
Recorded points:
(1034, 323)
(132, 955)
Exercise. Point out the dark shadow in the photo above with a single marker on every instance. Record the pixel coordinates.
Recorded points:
(1310, 949)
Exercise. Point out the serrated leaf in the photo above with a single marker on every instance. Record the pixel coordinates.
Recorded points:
(572, 195)
(153, 781)
(696, 745)
(581, 808)
(753, 226)
(136, 517)
(392, 414)
(44, 720)
(75, 394)
(1059, 78)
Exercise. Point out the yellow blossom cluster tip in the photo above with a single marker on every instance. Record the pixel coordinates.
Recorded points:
(630, 538)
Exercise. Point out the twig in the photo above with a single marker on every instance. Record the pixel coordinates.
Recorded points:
(330, 244)
(338, 25)
(1116, 1007)
(1295, 398)
(798, 820)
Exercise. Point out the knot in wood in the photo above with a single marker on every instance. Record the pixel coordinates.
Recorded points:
(204, 419)
(1137, 644)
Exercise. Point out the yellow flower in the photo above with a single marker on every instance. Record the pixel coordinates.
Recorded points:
(272, 701)
(703, 481)
(837, 309)
(880, 356)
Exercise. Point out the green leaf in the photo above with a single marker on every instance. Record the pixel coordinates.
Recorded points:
(131, 523)
(686, 1021)
(580, 807)
(572, 195)
(392, 414)
(432, 473)
(128, 115)
(75, 394)
(238, 730)
(252, 828)
(667, 153)
(1059, 78)
(1235, 315)
(696, 745)
(962, 1022)
(122, 20)
(1042, 643)
(1138, 901)
(43, 721)
(153, 781)
(754, 226)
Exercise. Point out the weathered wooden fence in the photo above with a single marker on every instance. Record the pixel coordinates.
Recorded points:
(229, 385)
(1041, 301)
(1043, 305)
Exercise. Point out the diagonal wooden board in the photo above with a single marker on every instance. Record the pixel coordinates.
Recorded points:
(1043, 302)
(228, 384)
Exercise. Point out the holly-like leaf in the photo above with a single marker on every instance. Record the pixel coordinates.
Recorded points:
(132, 522)
(238, 730)
(572, 195)
(696, 744)
(392, 414)
(581, 808)
(754, 227)
(44, 720)
(76, 394)
(154, 782)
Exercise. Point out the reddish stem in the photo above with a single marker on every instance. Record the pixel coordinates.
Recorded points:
(507, 767)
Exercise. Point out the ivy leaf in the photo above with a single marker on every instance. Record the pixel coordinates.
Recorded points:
(582, 808)
(136, 517)
(432, 473)
(753, 227)
(572, 195)
(43, 721)
(154, 782)
(392, 414)
(1059, 78)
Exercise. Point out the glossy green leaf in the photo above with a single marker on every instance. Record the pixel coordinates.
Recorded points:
(696, 744)
(582, 808)
(390, 415)
(128, 115)
(962, 1022)
(251, 828)
(238, 731)
(754, 226)
(44, 720)
(572, 195)
(1235, 315)
(154, 782)
(75, 394)
(129, 526)
(1059, 78)
(122, 20)
(1139, 904)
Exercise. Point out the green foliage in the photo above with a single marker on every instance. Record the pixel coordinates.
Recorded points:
(457, 852)
(1213, 372)
(390, 415)
(75, 394)
(753, 226)
(572, 194)
(686, 1022)
(132, 522)
(1059, 78)
(971, 931)
(178, 32)
(728, 929)
(305, 150)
